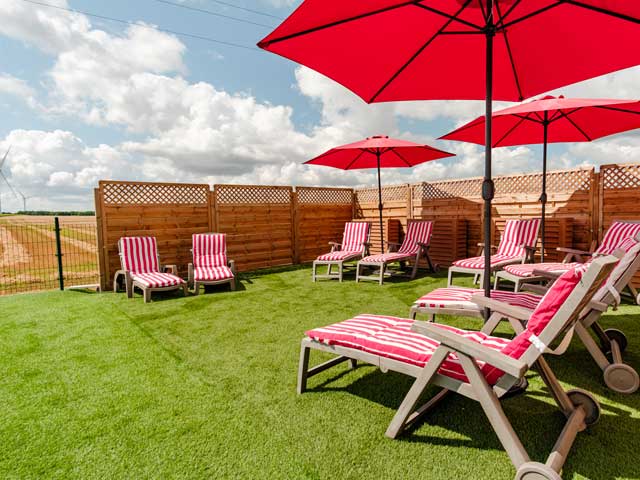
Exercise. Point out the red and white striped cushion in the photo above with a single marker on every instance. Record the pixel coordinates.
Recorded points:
(460, 298)
(517, 234)
(340, 255)
(355, 235)
(525, 270)
(209, 250)
(417, 232)
(477, 263)
(617, 233)
(388, 257)
(156, 279)
(139, 254)
(391, 337)
(212, 273)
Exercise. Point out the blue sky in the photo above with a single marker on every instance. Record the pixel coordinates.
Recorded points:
(85, 99)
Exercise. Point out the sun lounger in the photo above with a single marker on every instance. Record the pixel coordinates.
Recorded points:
(517, 245)
(521, 274)
(355, 245)
(141, 268)
(210, 264)
(415, 247)
(476, 365)
(618, 376)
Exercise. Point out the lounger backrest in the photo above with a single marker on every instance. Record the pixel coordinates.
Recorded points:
(518, 234)
(617, 233)
(356, 234)
(624, 270)
(557, 311)
(209, 250)
(139, 254)
(417, 232)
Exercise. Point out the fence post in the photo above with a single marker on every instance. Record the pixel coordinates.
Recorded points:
(59, 252)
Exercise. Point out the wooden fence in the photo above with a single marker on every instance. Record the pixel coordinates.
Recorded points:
(269, 226)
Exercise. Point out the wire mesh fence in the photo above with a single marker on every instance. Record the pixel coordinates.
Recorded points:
(33, 254)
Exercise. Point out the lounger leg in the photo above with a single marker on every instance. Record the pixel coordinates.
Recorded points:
(383, 267)
(196, 288)
(147, 295)
(449, 278)
(494, 412)
(358, 272)
(428, 257)
(495, 283)
(340, 270)
(303, 367)
(475, 278)
(232, 284)
(414, 271)
(313, 272)
(184, 289)
(353, 363)
(411, 399)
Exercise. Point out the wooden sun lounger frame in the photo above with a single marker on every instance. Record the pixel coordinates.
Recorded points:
(617, 375)
(571, 255)
(335, 247)
(130, 283)
(478, 274)
(579, 406)
(423, 252)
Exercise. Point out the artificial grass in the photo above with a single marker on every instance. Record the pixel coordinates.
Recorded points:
(100, 386)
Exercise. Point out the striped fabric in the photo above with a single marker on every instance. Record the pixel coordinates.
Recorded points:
(340, 255)
(477, 263)
(621, 235)
(156, 279)
(139, 254)
(616, 234)
(388, 257)
(417, 232)
(525, 270)
(460, 298)
(391, 337)
(518, 234)
(212, 273)
(209, 250)
(355, 235)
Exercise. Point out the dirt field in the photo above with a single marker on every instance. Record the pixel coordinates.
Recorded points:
(28, 258)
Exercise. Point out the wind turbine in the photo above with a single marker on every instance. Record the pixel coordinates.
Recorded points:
(24, 200)
(5, 178)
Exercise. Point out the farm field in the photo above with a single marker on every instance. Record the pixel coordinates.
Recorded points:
(28, 258)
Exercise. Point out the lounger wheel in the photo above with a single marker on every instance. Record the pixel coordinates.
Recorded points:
(621, 378)
(618, 336)
(582, 398)
(536, 471)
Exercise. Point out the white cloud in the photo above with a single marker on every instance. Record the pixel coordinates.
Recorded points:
(16, 87)
(54, 165)
(197, 132)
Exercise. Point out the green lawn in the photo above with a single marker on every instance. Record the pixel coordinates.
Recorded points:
(100, 386)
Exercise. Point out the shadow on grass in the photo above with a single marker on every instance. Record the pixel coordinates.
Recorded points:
(533, 415)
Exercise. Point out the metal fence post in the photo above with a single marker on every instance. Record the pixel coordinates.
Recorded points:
(59, 252)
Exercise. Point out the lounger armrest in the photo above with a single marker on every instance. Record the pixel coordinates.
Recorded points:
(493, 247)
(173, 269)
(574, 251)
(392, 246)
(335, 246)
(519, 313)
(539, 289)
(509, 365)
(530, 252)
(232, 266)
(547, 274)
(423, 245)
